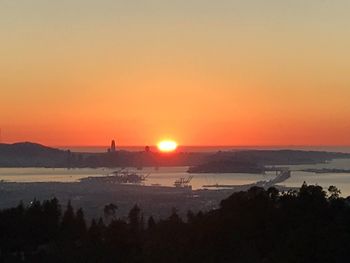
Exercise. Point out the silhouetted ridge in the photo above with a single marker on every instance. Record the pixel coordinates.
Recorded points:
(25, 154)
(309, 225)
(26, 147)
(284, 157)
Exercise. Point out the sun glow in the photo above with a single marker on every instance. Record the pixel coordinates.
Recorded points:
(167, 146)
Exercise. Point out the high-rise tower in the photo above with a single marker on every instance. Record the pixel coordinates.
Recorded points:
(113, 146)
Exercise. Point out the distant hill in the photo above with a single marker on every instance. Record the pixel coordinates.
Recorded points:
(254, 161)
(281, 157)
(27, 154)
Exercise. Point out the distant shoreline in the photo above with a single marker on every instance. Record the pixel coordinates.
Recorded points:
(27, 154)
(101, 149)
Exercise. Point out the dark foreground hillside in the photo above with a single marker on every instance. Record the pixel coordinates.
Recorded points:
(253, 226)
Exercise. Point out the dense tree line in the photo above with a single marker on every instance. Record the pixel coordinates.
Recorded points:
(258, 225)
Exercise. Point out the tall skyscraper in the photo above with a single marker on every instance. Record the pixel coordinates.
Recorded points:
(113, 146)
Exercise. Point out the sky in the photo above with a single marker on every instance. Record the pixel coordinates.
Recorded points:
(239, 72)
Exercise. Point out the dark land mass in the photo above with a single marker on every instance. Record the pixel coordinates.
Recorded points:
(36, 155)
(92, 196)
(283, 157)
(31, 155)
(251, 226)
(326, 170)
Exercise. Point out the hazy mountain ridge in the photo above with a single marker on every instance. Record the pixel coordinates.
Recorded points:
(26, 154)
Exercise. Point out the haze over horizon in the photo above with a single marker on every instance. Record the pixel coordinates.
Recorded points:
(230, 73)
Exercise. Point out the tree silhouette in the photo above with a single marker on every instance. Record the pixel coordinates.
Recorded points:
(334, 192)
(110, 211)
(257, 225)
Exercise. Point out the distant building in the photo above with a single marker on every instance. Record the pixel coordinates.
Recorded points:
(113, 146)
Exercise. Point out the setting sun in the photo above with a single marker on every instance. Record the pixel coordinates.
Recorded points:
(167, 146)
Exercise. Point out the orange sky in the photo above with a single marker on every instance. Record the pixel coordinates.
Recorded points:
(203, 73)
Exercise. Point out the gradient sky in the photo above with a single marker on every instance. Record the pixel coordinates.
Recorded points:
(239, 72)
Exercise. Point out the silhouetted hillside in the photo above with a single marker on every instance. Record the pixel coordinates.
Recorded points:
(283, 157)
(254, 161)
(31, 154)
(256, 226)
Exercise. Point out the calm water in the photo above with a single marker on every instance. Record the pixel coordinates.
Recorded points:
(341, 180)
(167, 175)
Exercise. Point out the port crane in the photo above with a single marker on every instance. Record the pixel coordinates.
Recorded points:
(183, 182)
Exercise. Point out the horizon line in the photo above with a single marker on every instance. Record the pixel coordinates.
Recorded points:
(188, 145)
(219, 145)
